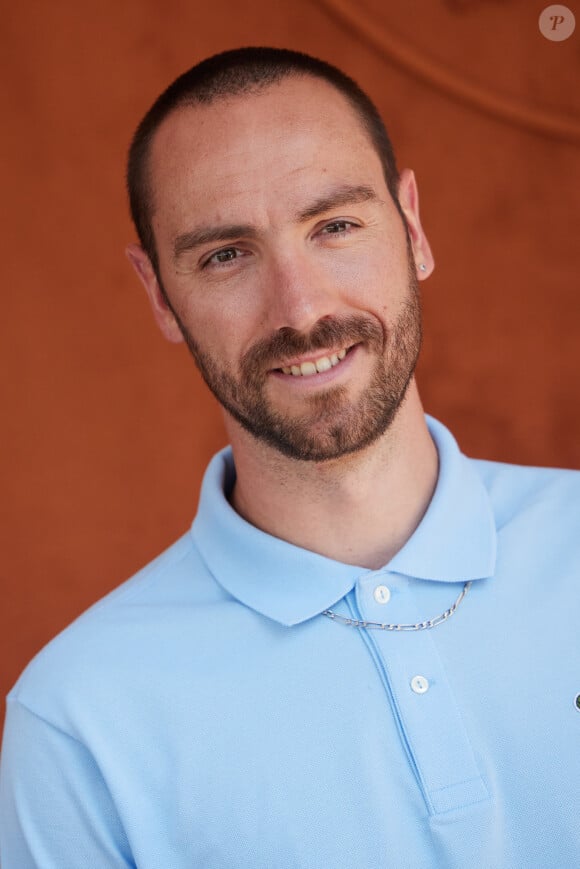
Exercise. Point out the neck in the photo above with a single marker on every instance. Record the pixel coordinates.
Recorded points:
(359, 509)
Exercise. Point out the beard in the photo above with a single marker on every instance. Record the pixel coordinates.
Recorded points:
(332, 426)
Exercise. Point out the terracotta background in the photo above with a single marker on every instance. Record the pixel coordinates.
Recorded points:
(105, 428)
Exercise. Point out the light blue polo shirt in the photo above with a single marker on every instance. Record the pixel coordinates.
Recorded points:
(207, 714)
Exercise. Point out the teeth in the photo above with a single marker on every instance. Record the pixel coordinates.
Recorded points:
(307, 369)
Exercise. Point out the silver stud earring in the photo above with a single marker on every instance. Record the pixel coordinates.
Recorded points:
(423, 267)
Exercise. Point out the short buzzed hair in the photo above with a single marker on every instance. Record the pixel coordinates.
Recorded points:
(241, 71)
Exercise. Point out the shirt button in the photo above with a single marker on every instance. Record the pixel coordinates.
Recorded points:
(419, 684)
(382, 594)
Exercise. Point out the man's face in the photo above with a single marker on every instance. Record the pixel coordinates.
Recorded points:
(287, 266)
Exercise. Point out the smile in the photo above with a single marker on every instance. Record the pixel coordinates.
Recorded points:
(314, 366)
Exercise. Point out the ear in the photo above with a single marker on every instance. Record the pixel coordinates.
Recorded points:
(163, 314)
(409, 201)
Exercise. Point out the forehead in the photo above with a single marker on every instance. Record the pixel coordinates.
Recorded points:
(280, 140)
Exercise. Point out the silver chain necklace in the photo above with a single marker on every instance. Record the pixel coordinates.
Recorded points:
(419, 626)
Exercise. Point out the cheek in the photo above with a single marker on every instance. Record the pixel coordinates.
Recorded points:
(223, 326)
(375, 282)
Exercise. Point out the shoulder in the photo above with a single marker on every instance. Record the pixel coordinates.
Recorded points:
(116, 642)
(521, 494)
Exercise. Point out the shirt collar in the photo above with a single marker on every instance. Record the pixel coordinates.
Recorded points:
(456, 540)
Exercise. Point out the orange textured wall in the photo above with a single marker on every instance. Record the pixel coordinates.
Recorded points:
(106, 429)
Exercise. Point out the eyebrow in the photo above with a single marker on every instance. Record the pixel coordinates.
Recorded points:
(344, 195)
(337, 198)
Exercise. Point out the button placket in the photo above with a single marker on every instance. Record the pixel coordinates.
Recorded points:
(423, 701)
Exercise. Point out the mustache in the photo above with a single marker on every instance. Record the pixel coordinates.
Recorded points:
(325, 334)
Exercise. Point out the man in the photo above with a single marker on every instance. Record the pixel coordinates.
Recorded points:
(364, 653)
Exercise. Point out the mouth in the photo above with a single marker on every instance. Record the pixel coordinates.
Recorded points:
(315, 364)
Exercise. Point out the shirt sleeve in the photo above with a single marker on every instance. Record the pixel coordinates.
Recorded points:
(55, 809)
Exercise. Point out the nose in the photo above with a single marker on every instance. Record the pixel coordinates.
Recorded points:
(300, 292)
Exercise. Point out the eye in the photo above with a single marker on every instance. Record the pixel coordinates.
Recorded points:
(221, 257)
(338, 227)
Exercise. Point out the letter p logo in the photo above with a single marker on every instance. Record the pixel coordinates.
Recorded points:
(557, 23)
